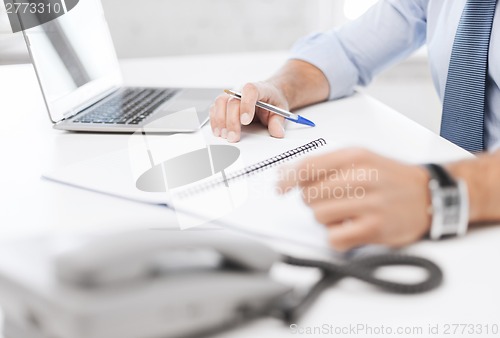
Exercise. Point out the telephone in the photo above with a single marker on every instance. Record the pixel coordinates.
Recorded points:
(137, 284)
(171, 283)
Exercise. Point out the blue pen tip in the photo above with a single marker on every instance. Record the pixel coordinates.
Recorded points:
(305, 121)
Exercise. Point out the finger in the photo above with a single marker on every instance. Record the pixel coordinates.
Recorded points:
(330, 189)
(263, 116)
(335, 212)
(342, 165)
(316, 185)
(249, 97)
(310, 179)
(233, 126)
(352, 234)
(276, 126)
(218, 114)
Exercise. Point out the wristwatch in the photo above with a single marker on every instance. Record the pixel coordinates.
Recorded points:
(450, 203)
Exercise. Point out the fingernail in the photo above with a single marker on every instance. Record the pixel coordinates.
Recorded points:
(245, 119)
(216, 132)
(283, 129)
(232, 137)
(224, 133)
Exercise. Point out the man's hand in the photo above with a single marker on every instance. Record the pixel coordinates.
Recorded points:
(228, 114)
(363, 198)
(297, 84)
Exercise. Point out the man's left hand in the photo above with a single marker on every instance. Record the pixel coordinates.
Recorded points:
(363, 198)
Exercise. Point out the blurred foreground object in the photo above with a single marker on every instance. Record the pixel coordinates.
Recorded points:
(134, 285)
(161, 283)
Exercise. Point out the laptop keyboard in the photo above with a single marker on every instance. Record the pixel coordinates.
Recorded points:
(126, 106)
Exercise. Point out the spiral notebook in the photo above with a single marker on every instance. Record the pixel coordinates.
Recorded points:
(242, 198)
(247, 200)
(225, 179)
(112, 174)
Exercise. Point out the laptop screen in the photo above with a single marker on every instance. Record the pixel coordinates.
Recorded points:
(74, 59)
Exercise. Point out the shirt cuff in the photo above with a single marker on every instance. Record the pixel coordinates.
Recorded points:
(325, 51)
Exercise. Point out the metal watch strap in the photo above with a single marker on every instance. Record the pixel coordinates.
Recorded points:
(450, 205)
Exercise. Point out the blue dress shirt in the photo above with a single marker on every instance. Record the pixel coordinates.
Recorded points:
(389, 32)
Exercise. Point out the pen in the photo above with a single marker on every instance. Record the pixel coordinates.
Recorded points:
(281, 112)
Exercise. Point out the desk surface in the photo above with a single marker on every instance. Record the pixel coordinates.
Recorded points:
(30, 205)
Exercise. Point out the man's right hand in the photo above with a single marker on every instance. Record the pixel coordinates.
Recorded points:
(228, 114)
(297, 84)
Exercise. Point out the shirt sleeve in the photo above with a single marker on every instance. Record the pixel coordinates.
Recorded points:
(351, 55)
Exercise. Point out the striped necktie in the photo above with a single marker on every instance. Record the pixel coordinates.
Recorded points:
(464, 98)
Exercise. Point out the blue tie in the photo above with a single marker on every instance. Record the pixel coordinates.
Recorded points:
(464, 97)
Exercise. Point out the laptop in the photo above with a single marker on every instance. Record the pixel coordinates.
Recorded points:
(78, 72)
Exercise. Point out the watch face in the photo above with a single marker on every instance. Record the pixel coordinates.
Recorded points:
(451, 206)
(448, 218)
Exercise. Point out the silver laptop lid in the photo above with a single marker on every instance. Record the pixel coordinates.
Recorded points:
(74, 59)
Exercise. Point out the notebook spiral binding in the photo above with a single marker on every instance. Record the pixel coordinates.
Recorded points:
(253, 169)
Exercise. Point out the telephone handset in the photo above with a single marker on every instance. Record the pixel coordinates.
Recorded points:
(138, 284)
(130, 257)
(135, 256)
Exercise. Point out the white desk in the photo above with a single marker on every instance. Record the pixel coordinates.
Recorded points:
(29, 205)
